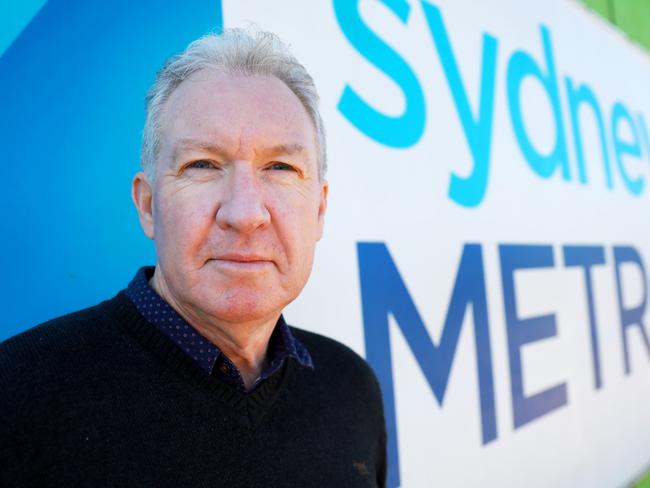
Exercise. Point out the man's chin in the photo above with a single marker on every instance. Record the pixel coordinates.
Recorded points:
(243, 308)
(235, 317)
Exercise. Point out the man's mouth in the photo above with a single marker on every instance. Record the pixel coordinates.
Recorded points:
(242, 262)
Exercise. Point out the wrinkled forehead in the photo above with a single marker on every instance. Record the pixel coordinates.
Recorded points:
(237, 112)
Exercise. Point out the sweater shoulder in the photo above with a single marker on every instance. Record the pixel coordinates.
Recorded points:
(51, 343)
(334, 356)
(319, 344)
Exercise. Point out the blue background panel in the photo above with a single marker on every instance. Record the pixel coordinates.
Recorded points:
(72, 87)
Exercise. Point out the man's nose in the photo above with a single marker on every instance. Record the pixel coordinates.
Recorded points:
(242, 206)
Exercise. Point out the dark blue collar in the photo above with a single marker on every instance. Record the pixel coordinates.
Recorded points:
(159, 313)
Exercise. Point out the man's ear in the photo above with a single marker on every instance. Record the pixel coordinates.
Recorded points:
(322, 207)
(142, 195)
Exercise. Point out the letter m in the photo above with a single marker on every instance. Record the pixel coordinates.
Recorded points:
(383, 293)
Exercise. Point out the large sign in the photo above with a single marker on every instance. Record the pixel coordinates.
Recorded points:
(486, 239)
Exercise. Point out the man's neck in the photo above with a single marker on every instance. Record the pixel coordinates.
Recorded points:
(247, 349)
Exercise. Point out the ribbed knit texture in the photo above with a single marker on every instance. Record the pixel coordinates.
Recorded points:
(102, 398)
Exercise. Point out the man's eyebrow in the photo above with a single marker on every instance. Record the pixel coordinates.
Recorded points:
(288, 149)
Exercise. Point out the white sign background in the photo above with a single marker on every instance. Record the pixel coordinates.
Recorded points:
(600, 438)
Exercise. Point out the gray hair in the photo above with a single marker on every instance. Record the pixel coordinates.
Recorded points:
(238, 52)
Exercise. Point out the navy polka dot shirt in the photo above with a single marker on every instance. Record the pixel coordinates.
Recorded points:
(159, 313)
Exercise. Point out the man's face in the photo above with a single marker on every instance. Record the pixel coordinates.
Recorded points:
(237, 204)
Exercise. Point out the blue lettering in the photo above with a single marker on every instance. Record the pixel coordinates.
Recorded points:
(520, 66)
(630, 148)
(630, 316)
(577, 96)
(383, 293)
(524, 331)
(586, 257)
(401, 131)
(468, 191)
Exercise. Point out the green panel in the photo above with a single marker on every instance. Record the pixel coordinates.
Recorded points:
(633, 16)
(600, 6)
(644, 483)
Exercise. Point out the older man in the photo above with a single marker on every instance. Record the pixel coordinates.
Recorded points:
(190, 376)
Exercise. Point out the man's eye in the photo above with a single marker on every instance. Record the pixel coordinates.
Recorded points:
(201, 164)
(281, 166)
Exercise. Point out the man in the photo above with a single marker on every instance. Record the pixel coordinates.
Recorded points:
(190, 376)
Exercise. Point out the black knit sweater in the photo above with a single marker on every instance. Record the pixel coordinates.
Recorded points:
(102, 398)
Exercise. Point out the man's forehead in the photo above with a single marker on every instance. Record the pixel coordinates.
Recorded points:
(226, 93)
(219, 112)
(189, 144)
